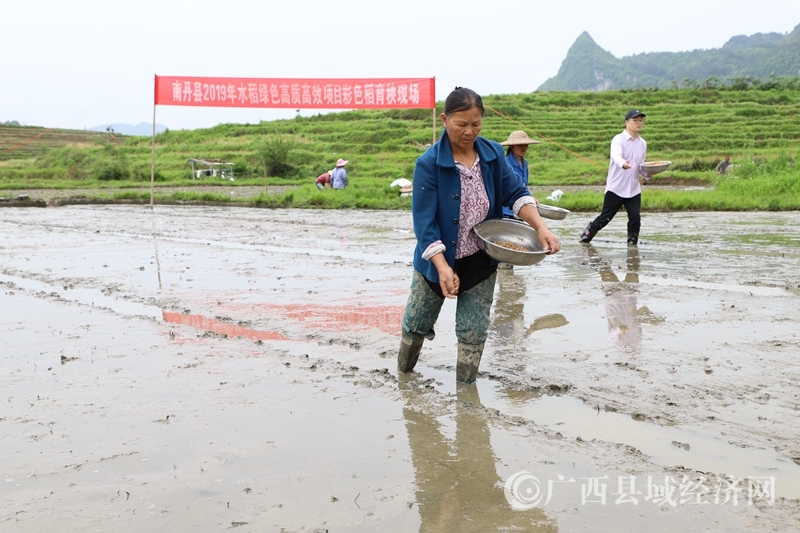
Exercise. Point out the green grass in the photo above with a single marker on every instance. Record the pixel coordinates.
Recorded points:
(376, 195)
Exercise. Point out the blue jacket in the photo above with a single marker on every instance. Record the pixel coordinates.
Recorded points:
(522, 173)
(339, 178)
(436, 198)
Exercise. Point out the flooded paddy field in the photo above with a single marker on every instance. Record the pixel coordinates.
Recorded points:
(206, 369)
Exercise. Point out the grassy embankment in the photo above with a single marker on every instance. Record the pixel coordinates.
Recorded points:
(694, 128)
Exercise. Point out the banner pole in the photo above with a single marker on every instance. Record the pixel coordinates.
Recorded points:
(433, 97)
(153, 159)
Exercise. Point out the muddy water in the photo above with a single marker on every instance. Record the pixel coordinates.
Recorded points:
(197, 369)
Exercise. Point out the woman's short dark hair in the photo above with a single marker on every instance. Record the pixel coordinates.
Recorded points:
(462, 99)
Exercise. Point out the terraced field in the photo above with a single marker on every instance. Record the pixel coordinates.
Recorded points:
(694, 128)
(681, 125)
(28, 142)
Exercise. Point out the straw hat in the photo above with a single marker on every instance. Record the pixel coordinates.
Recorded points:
(519, 137)
(341, 162)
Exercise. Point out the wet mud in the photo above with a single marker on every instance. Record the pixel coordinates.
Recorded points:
(211, 368)
(66, 197)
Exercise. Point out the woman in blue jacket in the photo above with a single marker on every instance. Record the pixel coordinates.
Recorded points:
(458, 183)
(517, 146)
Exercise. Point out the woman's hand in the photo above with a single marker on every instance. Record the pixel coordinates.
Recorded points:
(449, 283)
(549, 240)
(530, 214)
(448, 280)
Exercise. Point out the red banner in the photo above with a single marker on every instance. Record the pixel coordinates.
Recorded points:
(293, 93)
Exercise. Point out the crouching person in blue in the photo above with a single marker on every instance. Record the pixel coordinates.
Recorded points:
(458, 183)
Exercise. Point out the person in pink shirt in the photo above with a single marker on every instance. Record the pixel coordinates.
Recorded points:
(324, 180)
(628, 152)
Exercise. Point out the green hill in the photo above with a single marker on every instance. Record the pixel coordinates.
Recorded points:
(754, 59)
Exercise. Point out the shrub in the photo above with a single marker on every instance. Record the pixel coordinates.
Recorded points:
(143, 174)
(696, 165)
(111, 172)
(273, 154)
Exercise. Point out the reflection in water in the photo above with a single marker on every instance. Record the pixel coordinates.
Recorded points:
(556, 320)
(624, 318)
(221, 328)
(346, 317)
(624, 329)
(158, 263)
(457, 486)
(328, 317)
(508, 326)
(518, 397)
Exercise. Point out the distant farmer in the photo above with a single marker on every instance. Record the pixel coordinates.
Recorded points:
(324, 180)
(722, 166)
(517, 146)
(628, 152)
(517, 143)
(339, 175)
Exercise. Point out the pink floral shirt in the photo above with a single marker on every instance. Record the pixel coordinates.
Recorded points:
(474, 208)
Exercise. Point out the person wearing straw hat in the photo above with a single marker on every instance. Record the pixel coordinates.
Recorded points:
(517, 143)
(517, 146)
(458, 183)
(339, 175)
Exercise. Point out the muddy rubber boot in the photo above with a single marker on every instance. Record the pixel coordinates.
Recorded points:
(588, 233)
(409, 353)
(469, 359)
(633, 239)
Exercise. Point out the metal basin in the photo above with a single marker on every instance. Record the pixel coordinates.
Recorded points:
(654, 167)
(496, 229)
(552, 212)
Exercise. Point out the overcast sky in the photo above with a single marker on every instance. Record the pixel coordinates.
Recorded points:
(85, 63)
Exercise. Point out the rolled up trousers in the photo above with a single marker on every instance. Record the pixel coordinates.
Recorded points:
(473, 308)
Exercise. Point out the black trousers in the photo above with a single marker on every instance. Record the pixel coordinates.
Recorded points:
(612, 204)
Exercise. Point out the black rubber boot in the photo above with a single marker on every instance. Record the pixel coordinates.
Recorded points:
(588, 233)
(409, 353)
(469, 359)
(633, 239)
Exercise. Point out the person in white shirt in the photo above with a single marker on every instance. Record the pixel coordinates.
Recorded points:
(628, 152)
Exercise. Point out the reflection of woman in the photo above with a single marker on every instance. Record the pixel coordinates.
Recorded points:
(517, 142)
(457, 485)
(508, 327)
(458, 183)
